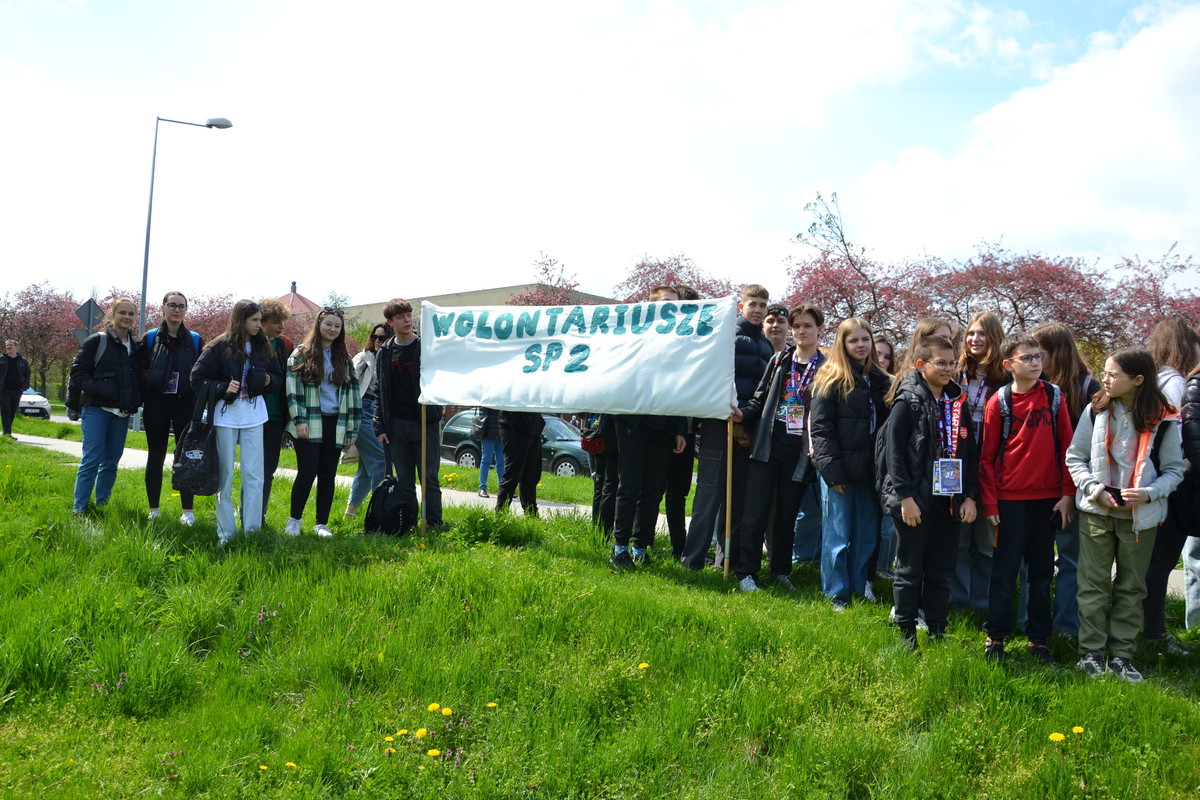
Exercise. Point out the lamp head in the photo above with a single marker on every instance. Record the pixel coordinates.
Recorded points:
(218, 122)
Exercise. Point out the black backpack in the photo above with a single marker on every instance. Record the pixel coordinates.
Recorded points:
(388, 511)
(1055, 395)
(74, 390)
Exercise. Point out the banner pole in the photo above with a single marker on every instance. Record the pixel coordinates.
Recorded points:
(424, 498)
(728, 491)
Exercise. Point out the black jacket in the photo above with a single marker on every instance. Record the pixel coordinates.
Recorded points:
(218, 364)
(759, 412)
(385, 389)
(911, 442)
(523, 423)
(751, 352)
(843, 437)
(22, 369)
(169, 355)
(491, 422)
(113, 381)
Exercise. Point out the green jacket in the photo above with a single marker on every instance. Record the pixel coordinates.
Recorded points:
(304, 404)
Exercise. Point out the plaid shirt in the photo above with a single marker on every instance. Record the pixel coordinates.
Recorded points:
(304, 404)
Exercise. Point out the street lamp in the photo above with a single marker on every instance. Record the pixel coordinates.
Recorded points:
(217, 122)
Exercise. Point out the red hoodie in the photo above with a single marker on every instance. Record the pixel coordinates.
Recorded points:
(1031, 471)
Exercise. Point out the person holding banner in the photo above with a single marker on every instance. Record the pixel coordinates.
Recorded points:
(399, 416)
(521, 437)
(780, 467)
(752, 352)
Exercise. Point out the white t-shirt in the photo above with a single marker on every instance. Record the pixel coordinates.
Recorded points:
(241, 413)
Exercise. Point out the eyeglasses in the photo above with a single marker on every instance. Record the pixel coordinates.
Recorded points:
(337, 311)
(379, 338)
(1029, 358)
(942, 365)
(177, 306)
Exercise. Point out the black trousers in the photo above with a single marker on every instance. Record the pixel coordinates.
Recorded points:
(522, 469)
(1179, 524)
(161, 414)
(1026, 536)
(272, 445)
(642, 458)
(769, 487)
(708, 509)
(926, 557)
(316, 461)
(10, 401)
(679, 484)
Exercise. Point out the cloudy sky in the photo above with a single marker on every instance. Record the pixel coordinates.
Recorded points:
(413, 148)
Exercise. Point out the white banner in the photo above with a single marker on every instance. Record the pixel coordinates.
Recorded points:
(629, 358)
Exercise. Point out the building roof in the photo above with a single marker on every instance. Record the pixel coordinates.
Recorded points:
(298, 303)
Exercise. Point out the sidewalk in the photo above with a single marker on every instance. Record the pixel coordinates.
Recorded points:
(136, 459)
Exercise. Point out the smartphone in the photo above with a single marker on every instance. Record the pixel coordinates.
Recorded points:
(1115, 493)
(1056, 520)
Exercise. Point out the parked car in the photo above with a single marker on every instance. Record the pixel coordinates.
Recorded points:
(34, 405)
(561, 453)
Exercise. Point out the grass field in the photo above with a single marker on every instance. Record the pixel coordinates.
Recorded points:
(141, 660)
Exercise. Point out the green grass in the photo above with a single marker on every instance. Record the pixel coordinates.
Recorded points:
(142, 660)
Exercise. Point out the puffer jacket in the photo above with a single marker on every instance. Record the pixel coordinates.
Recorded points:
(843, 429)
(911, 442)
(751, 352)
(219, 364)
(169, 355)
(760, 410)
(113, 382)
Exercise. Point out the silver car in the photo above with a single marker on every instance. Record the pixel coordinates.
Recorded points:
(34, 405)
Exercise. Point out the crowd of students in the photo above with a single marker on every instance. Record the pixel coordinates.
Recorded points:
(961, 467)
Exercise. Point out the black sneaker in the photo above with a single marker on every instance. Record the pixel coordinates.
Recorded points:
(909, 637)
(1124, 669)
(993, 649)
(1093, 664)
(1167, 644)
(621, 561)
(785, 582)
(640, 557)
(1041, 652)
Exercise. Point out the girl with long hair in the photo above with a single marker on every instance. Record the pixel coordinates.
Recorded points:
(238, 368)
(885, 357)
(326, 411)
(1174, 346)
(1125, 459)
(371, 463)
(926, 326)
(167, 355)
(980, 373)
(847, 410)
(104, 377)
(1063, 366)
(274, 315)
(885, 353)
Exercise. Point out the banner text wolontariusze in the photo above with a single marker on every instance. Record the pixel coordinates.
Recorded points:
(626, 358)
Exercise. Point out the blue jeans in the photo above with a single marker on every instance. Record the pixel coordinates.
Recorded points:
(251, 459)
(848, 538)
(806, 544)
(972, 577)
(1191, 581)
(489, 451)
(371, 465)
(103, 442)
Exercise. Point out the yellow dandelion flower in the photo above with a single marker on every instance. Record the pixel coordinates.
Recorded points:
(433, 753)
(1077, 729)
(491, 705)
(643, 665)
(1057, 737)
(446, 712)
(421, 767)
(174, 494)
(290, 765)
(390, 750)
(262, 766)
(389, 738)
(539, 486)
(421, 733)
(421, 547)
(402, 732)
(433, 707)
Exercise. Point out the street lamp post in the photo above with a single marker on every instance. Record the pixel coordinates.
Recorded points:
(218, 122)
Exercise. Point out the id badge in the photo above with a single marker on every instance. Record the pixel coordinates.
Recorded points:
(793, 418)
(947, 476)
(172, 386)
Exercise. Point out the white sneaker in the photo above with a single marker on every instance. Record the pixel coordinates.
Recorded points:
(154, 514)
(748, 584)
(292, 527)
(223, 540)
(322, 531)
(188, 518)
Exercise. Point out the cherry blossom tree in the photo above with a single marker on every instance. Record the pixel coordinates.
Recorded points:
(555, 287)
(675, 270)
(43, 321)
(1145, 295)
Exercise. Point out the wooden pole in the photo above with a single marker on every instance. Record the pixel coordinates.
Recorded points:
(728, 491)
(421, 472)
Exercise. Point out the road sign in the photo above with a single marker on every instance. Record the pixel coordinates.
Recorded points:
(81, 334)
(89, 314)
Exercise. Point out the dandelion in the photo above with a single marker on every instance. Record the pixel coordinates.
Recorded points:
(402, 732)
(290, 765)
(491, 705)
(446, 712)
(421, 767)
(433, 753)
(390, 751)
(643, 665)
(1077, 729)
(421, 733)
(433, 707)
(389, 738)
(174, 494)
(1057, 737)
(539, 486)
(262, 766)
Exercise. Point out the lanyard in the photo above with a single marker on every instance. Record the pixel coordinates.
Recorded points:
(796, 390)
(966, 381)
(949, 416)
(870, 399)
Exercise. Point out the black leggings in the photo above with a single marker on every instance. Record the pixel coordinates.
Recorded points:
(161, 414)
(316, 461)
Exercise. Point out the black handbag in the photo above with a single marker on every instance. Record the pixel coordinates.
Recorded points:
(388, 512)
(197, 466)
(478, 426)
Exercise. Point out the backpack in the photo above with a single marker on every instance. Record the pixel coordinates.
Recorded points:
(388, 511)
(150, 342)
(74, 390)
(1055, 395)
